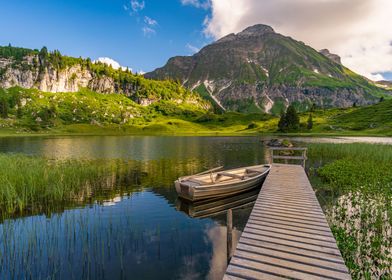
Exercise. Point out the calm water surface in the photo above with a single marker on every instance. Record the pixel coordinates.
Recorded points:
(136, 232)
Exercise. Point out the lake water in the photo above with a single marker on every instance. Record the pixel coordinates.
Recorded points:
(136, 230)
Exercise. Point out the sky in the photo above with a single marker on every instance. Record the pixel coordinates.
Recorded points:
(144, 34)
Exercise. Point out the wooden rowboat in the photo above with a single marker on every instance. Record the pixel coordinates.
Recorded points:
(214, 184)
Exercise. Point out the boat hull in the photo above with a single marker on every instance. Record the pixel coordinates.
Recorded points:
(195, 193)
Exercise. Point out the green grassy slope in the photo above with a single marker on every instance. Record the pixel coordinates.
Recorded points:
(32, 111)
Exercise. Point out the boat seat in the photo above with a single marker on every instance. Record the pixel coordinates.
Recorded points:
(231, 175)
(196, 181)
(249, 170)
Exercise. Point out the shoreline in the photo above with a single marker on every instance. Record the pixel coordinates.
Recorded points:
(131, 131)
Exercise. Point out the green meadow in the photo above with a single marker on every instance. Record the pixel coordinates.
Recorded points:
(31, 112)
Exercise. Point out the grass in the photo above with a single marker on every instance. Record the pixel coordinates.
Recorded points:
(34, 112)
(357, 178)
(34, 184)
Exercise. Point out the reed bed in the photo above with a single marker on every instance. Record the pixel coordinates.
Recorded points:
(355, 151)
(34, 184)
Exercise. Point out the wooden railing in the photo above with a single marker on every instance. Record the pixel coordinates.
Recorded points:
(301, 157)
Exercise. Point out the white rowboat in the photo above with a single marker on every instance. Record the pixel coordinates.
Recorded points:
(221, 183)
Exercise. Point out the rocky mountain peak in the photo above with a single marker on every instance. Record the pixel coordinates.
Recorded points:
(252, 31)
(256, 30)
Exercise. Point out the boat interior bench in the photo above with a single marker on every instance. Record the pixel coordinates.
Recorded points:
(248, 170)
(226, 174)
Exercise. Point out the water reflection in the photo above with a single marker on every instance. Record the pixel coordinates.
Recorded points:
(127, 225)
(129, 147)
(213, 207)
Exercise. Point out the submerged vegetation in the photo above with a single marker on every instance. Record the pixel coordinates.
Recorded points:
(357, 179)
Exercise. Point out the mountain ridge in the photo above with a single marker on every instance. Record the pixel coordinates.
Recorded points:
(258, 69)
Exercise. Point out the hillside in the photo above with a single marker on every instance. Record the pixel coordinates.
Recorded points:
(30, 111)
(259, 70)
(53, 72)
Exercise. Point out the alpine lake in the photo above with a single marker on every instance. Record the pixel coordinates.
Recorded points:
(135, 227)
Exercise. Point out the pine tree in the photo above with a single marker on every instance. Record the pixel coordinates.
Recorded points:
(292, 118)
(310, 122)
(4, 108)
(313, 107)
(43, 53)
(282, 125)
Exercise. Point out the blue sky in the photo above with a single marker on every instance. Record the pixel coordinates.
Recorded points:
(139, 34)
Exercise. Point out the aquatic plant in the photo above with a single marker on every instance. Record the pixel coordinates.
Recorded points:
(359, 179)
(34, 184)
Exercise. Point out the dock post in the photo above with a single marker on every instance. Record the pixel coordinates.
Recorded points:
(229, 226)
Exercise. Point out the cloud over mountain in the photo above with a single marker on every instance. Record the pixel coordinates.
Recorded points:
(358, 30)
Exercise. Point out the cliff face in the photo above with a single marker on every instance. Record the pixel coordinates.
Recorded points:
(50, 79)
(258, 69)
(56, 73)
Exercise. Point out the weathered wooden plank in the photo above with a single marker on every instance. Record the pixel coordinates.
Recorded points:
(288, 157)
(290, 218)
(282, 210)
(291, 228)
(292, 265)
(305, 246)
(287, 235)
(294, 208)
(288, 149)
(273, 221)
(245, 273)
(291, 232)
(322, 255)
(291, 237)
(292, 257)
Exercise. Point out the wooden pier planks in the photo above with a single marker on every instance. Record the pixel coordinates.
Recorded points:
(287, 235)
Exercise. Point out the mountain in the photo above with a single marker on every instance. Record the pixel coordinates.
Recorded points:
(53, 72)
(384, 84)
(261, 70)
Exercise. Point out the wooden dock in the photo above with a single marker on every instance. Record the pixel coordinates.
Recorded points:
(287, 235)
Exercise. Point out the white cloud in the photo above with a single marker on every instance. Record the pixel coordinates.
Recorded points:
(111, 62)
(376, 77)
(197, 3)
(149, 21)
(358, 30)
(148, 31)
(137, 6)
(192, 48)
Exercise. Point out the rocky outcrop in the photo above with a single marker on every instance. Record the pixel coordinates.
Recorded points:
(49, 79)
(31, 71)
(331, 56)
(261, 69)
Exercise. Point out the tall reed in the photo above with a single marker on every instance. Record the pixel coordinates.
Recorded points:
(32, 183)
